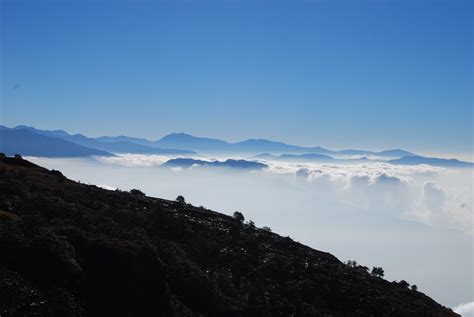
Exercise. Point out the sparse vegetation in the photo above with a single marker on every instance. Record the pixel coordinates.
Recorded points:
(251, 224)
(268, 229)
(137, 192)
(377, 272)
(404, 284)
(239, 217)
(180, 200)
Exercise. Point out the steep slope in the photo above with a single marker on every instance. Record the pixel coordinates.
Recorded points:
(25, 142)
(70, 249)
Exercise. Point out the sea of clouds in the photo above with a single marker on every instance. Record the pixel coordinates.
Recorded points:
(414, 221)
(431, 195)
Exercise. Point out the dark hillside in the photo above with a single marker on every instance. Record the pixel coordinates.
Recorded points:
(69, 249)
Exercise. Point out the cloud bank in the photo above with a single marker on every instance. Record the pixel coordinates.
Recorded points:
(419, 193)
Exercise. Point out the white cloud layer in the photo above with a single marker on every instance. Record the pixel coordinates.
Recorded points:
(414, 192)
(134, 160)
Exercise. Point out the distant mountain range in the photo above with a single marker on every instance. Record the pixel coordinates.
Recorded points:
(309, 158)
(238, 164)
(255, 146)
(417, 160)
(30, 141)
(27, 144)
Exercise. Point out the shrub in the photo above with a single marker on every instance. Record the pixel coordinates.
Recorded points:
(180, 199)
(137, 192)
(414, 288)
(404, 284)
(377, 272)
(251, 224)
(239, 217)
(363, 268)
(267, 229)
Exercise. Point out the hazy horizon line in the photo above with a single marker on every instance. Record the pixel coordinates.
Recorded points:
(466, 156)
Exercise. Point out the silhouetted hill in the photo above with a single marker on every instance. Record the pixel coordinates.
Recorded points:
(70, 249)
(239, 164)
(416, 160)
(28, 143)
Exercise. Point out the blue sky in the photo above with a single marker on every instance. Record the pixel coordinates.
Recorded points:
(374, 74)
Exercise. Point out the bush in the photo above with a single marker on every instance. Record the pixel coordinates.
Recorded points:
(414, 288)
(404, 284)
(239, 217)
(267, 229)
(377, 272)
(137, 192)
(180, 199)
(251, 224)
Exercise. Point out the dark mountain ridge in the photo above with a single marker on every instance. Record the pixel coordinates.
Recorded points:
(70, 249)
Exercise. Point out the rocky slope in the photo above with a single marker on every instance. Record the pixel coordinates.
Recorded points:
(69, 249)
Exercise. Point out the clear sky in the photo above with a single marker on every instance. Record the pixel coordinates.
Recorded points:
(373, 74)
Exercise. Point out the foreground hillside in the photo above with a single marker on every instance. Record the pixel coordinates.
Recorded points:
(69, 249)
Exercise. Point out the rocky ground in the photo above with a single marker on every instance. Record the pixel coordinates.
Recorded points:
(70, 249)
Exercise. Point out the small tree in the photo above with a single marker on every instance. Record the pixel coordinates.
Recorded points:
(180, 199)
(239, 217)
(267, 229)
(414, 288)
(404, 284)
(351, 263)
(377, 272)
(363, 268)
(251, 224)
